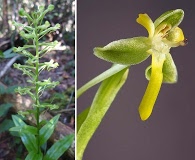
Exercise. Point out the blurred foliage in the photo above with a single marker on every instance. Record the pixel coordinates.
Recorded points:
(63, 99)
(64, 13)
(6, 122)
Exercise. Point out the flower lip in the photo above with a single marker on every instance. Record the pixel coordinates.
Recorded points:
(175, 37)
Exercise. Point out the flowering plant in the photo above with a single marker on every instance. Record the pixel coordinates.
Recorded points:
(35, 138)
(164, 34)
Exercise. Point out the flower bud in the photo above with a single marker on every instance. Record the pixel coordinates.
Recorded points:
(50, 7)
(22, 12)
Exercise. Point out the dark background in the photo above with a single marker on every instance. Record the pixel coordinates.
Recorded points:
(170, 131)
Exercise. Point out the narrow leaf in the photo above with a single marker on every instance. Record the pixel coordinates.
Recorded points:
(101, 103)
(58, 148)
(29, 140)
(4, 108)
(25, 129)
(6, 125)
(47, 130)
(34, 156)
(81, 118)
(8, 54)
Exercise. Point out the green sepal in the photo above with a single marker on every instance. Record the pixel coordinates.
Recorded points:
(125, 51)
(172, 17)
(169, 70)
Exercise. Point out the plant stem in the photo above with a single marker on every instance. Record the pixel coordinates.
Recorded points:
(113, 70)
(37, 90)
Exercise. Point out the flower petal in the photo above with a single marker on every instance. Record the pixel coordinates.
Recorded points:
(125, 51)
(146, 21)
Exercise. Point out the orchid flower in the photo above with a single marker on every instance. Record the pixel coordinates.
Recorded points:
(164, 33)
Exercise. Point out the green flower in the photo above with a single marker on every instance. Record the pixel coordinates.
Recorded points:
(164, 33)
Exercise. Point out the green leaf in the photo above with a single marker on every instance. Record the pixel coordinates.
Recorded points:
(8, 54)
(169, 70)
(59, 147)
(34, 156)
(4, 108)
(81, 118)
(25, 129)
(11, 89)
(125, 51)
(101, 103)
(47, 130)
(29, 140)
(6, 125)
(1, 54)
(2, 89)
(173, 17)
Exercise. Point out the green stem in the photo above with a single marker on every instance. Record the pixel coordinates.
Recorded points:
(101, 103)
(113, 70)
(36, 90)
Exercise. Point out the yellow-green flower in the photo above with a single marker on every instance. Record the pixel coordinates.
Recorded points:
(164, 33)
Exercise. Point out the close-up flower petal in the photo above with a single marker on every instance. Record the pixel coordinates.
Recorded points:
(146, 21)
